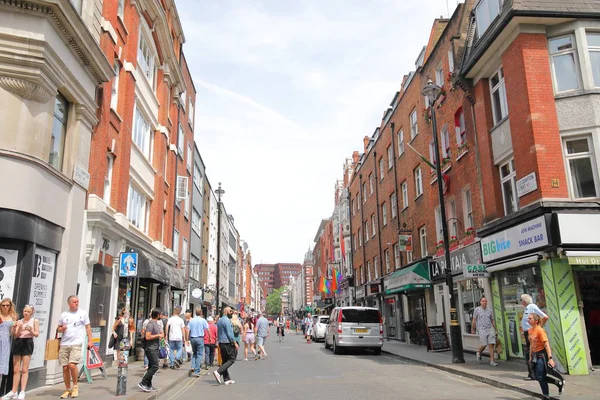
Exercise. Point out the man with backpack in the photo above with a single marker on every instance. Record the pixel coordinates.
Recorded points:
(280, 324)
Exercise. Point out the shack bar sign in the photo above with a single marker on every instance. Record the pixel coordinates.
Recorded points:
(476, 271)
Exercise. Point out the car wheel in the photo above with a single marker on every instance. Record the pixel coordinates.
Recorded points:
(325, 342)
(336, 349)
(377, 351)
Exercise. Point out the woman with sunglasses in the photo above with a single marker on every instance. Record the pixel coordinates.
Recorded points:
(8, 316)
(24, 331)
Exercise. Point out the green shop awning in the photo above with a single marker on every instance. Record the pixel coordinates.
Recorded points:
(414, 277)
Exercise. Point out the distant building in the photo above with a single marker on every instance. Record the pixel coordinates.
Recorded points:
(274, 276)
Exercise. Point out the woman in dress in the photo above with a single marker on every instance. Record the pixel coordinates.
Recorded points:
(237, 328)
(24, 331)
(118, 331)
(8, 316)
(249, 338)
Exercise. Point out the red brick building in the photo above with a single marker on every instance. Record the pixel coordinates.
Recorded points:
(274, 276)
(141, 145)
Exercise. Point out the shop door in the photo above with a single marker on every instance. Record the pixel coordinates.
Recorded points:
(390, 320)
(589, 287)
(418, 317)
(99, 304)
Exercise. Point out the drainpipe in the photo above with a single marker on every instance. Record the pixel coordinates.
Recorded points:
(352, 249)
(392, 126)
(362, 225)
(378, 231)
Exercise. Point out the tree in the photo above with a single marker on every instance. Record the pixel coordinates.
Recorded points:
(274, 302)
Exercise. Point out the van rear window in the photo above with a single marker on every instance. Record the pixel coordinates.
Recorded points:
(358, 315)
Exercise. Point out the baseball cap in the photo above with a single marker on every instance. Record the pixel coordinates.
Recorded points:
(210, 319)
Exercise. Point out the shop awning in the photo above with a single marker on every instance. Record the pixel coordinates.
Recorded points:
(514, 262)
(414, 277)
(158, 271)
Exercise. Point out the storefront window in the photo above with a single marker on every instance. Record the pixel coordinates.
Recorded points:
(514, 283)
(471, 292)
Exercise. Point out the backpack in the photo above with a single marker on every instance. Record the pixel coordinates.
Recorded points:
(236, 330)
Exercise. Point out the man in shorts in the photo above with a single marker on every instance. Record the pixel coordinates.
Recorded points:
(73, 324)
(483, 322)
(261, 329)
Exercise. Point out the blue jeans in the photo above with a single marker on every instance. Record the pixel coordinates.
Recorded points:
(198, 353)
(175, 345)
(209, 352)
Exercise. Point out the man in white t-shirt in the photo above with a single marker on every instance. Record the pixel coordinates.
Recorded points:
(174, 336)
(73, 324)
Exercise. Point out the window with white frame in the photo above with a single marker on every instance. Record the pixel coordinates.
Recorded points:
(384, 213)
(180, 141)
(460, 127)
(191, 113)
(353, 207)
(393, 204)
(452, 220)
(390, 152)
(59, 132)
(360, 238)
(445, 135)
(387, 260)
(400, 143)
(371, 184)
(432, 153)
(439, 75)
(423, 241)
(176, 243)
(485, 13)
(364, 193)
(498, 91)
(358, 201)
(396, 256)
(184, 252)
(509, 187)
(593, 42)
(414, 128)
(355, 241)
(451, 60)
(120, 8)
(439, 233)
(373, 227)
(196, 221)
(145, 59)
(142, 133)
(138, 208)
(418, 181)
(190, 157)
(376, 266)
(582, 167)
(468, 209)
(366, 232)
(404, 195)
(108, 178)
(187, 205)
(381, 168)
(114, 96)
(564, 65)
(197, 177)
(370, 277)
(409, 257)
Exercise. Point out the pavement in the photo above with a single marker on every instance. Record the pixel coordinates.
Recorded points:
(508, 374)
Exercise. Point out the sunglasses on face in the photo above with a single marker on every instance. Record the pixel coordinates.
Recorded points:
(4, 305)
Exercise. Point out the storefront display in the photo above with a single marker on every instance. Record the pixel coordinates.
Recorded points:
(471, 291)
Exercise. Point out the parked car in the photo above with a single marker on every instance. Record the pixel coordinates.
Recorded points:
(354, 327)
(319, 327)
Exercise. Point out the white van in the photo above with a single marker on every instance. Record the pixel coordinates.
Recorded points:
(358, 327)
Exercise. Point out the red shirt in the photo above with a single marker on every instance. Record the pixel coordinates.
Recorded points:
(210, 336)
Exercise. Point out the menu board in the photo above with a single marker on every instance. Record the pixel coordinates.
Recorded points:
(438, 340)
(40, 297)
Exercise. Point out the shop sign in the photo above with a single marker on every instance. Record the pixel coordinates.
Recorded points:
(373, 288)
(459, 258)
(526, 184)
(197, 293)
(40, 297)
(81, 176)
(476, 271)
(360, 292)
(524, 237)
(405, 243)
(8, 272)
(579, 228)
(586, 260)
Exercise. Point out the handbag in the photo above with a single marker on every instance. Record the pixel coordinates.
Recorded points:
(162, 349)
(52, 347)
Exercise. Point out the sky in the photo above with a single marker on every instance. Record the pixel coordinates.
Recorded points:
(286, 91)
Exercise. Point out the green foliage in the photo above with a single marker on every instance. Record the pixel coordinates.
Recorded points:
(274, 302)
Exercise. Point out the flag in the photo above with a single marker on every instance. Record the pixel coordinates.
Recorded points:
(334, 281)
(323, 286)
(432, 165)
(343, 247)
(328, 286)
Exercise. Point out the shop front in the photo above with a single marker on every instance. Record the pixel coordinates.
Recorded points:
(470, 284)
(360, 295)
(406, 300)
(373, 293)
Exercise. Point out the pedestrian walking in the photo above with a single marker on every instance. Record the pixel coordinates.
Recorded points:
(280, 324)
(74, 325)
(249, 338)
(303, 326)
(540, 355)
(262, 333)
(8, 316)
(118, 332)
(210, 343)
(483, 322)
(174, 337)
(309, 326)
(238, 328)
(154, 333)
(186, 335)
(198, 328)
(228, 347)
(24, 331)
(530, 307)
(163, 321)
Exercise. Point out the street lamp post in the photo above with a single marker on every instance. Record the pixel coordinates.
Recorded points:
(431, 91)
(219, 193)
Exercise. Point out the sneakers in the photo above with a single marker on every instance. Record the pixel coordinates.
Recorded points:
(245, 359)
(173, 367)
(10, 395)
(66, 394)
(493, 364)
(561, 388)
(217, 377)
(528, 378)
(190, 372)
(21, 396)
(144, 387)
(230, 382)
(478, 357)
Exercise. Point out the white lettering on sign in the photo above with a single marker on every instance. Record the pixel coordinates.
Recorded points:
(41, 298)
(520, 238)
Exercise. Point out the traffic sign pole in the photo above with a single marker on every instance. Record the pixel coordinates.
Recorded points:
(128, 269)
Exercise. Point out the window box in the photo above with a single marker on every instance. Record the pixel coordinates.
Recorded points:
(446, 167)
(439, 248)
(453, 242)
(462, 150)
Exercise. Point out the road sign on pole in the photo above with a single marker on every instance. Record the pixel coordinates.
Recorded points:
(128, 264)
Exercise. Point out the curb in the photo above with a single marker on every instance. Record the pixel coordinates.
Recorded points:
(483, 379)
(174, 382)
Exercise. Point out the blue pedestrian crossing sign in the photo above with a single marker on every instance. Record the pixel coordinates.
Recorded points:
(128, 263)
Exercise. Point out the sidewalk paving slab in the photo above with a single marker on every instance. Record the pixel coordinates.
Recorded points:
(507, 375)
(165, 379)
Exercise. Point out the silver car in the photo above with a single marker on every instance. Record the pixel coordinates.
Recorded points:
(358, 327)
(319, 327)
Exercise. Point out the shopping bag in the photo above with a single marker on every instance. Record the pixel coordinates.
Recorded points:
(188, 348)
(218, 353)
(498, 346)
(52, 347)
